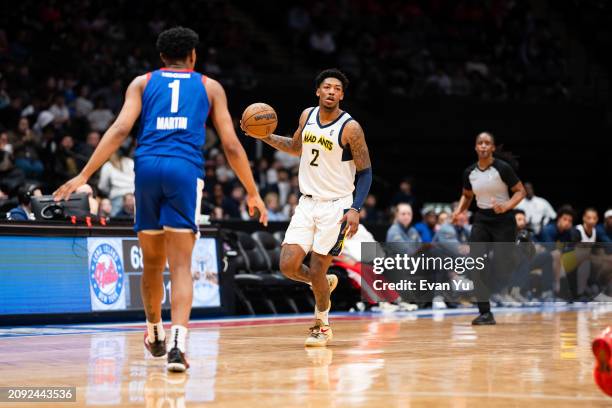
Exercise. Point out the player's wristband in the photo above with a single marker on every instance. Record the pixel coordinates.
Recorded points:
(363, 181)
(355, 209)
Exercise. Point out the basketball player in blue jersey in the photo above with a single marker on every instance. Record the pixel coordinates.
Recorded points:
(173, 104)
(335, 176)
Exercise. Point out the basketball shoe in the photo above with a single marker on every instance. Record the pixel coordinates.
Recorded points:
(176, 361)
(332, 280)
(320, 335)
(484, 319)
(602, 349)
(157, 348)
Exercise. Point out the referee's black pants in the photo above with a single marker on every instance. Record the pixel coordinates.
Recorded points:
(489, 228)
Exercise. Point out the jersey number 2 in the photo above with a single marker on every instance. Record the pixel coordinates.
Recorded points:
(174, 85)
(313, 162)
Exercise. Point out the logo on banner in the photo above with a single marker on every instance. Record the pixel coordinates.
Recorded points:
(106, 274)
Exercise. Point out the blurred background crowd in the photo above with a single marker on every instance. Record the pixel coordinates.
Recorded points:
(64, 67)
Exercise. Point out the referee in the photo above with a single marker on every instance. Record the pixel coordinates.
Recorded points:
(489, 180)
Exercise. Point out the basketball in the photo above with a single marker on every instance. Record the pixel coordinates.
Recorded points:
(259, 120)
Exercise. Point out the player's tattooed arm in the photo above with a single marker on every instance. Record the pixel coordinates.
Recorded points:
(353, 136)
(291, 145)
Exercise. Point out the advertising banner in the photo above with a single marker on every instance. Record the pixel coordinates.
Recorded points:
(106, 274)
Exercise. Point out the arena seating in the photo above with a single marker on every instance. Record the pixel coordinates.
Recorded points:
(260, 287)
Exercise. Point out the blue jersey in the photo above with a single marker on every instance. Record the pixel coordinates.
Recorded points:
(174, 110)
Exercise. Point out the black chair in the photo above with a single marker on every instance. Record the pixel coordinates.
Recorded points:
(255, 261)
(260, 283)
(297, 295)
(280, 236)
(251, 278)
(244, 283)
(268, 244)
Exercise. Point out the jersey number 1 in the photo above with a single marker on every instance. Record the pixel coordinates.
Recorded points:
(174, 85)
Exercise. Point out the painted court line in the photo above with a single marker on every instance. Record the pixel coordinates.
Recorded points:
(259, 321)
(425, 394)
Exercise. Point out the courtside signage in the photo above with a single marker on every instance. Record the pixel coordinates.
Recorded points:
(106, 274)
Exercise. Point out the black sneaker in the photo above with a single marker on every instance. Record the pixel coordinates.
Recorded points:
(157, 348)
(484, 319)
(176, 361)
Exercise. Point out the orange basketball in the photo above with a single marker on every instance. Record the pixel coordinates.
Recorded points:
(259, 120)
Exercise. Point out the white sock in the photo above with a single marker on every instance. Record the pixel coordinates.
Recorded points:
(178, 337)
(322, 316)
(155, 331)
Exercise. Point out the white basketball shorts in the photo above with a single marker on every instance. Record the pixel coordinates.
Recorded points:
(316, 225)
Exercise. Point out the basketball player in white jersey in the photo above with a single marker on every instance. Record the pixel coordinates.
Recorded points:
(588, 228)
(334, 164)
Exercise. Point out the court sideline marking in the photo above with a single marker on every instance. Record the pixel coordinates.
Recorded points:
(257, 321)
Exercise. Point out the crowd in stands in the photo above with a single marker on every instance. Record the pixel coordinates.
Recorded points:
(569, 257)
(487, 49)
(53, 110)
(64, 67)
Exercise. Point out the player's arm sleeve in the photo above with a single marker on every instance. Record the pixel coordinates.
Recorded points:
(361, 156)
(363, 182)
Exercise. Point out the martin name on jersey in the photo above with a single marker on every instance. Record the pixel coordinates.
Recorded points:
(173, 122)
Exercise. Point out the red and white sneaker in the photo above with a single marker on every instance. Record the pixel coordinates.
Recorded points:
(320, 335)
(332, 280)
(602, 349)
(157, 348)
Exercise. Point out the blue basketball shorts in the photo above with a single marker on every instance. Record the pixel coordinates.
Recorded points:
(168, 194)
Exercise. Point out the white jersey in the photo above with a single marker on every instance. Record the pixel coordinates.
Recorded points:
(327, 169)
(584, 237)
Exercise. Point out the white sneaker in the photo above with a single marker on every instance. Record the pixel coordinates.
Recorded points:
(385, 307)
(602, 297)
(332, 280)
(509, 301)
(515, 292)
(320, 335)
(438, 303)
(550, 299)
(407, 307)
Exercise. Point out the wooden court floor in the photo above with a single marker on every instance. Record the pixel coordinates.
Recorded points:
(539, 359)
